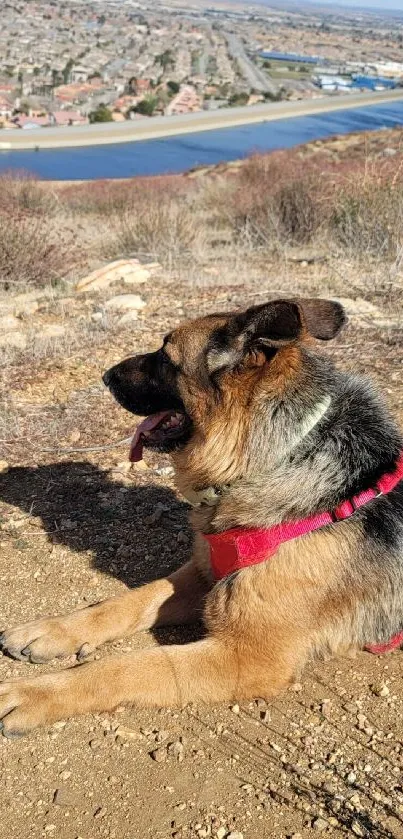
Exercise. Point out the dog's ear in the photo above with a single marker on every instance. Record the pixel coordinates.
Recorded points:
(254, 334)
(323, 318)
(283, 321)
(262, 330)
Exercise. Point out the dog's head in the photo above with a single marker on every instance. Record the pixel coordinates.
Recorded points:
(210, 374)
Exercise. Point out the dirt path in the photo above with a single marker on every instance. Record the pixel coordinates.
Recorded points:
(324, 758)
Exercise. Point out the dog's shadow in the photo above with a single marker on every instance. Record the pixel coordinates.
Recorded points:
(134, 533)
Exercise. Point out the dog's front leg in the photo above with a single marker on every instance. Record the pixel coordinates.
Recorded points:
(216, 669)
(162, 676)
(174, 600)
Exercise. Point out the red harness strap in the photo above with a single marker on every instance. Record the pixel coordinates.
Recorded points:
(241, 547)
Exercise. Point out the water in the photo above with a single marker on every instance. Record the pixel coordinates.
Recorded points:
(180, 153)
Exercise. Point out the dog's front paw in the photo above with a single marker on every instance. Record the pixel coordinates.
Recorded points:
(28, 703)
(48, 638)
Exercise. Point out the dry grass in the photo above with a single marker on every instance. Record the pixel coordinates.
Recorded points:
(36, 248)
(351, 209)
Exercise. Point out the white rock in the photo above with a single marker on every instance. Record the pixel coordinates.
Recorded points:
(17, 340)
(96, 317)
(4, 467)
(125, 302)
(128, 318)
(136, 277)
(126, 270)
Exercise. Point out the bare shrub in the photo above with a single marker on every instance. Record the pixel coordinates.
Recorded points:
(20, 190)
(36, 246)
(103, 198)
(164, 229)
(369, 221)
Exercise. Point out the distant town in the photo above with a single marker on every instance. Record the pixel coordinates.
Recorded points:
(68, 63)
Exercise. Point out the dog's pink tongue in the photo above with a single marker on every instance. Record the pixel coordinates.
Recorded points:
(136, 446)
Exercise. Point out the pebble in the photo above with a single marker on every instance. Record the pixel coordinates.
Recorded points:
(159, 755)
(235, 709)
(128, 317)
(96, 317)
(4, 467)
(380, 690)
(127, 734)
(220, 832)
(235, 834)
(177, 749)
(125, 303)
(64, 797)
(320, 824)
(357, 829)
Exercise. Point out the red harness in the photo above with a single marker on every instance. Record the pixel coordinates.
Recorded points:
(241, 547)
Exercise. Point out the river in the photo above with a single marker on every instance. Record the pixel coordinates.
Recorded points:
(183, 152)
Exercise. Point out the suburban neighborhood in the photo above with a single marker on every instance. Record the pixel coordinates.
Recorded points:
(71, 63)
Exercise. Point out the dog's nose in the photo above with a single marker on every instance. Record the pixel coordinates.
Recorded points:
(106, 377)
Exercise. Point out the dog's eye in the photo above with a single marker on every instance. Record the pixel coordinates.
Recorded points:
(165, 359)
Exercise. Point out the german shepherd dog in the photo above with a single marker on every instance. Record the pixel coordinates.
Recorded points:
(262, 430)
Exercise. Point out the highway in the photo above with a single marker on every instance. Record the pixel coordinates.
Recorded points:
(158, 127)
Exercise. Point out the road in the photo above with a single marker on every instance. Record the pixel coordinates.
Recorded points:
(158, 127)
(253, 75)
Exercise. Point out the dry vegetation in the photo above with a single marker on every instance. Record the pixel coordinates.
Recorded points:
(77, 525)
(348, 209)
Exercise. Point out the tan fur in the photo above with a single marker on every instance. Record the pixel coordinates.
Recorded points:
(262, 625)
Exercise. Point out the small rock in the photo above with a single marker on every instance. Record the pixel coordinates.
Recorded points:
(165, 471)
(357, 829)
(320, 824)
(128, 318)
(95, 744)
(235, 708)
(235, 834)
(220, 832)
(177, 749)
(159, 755)
(4, 467)
(64, 797)
(96, 317)
(125, 303)
(351, 778)
(380, 690)
(127, 270)
(100, 812)
(325, 707)
(127, 734)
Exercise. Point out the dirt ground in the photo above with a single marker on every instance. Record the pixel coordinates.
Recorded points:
(326, 757)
